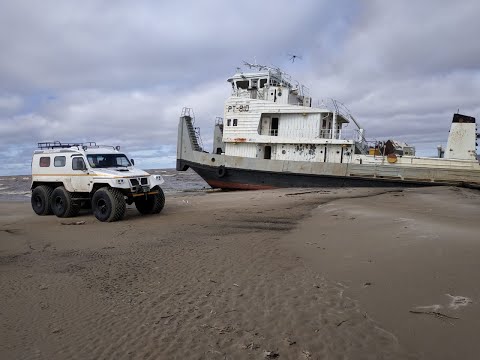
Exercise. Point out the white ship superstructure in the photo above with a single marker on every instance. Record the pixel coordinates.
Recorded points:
(267, 117)
(272, 136)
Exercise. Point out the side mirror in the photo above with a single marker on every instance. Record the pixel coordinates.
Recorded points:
(133, 161)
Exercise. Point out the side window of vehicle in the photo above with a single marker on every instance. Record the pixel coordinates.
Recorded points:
(78, 163)
(59, 161)
(44, 161)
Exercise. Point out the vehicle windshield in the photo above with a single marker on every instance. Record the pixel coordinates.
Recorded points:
(108, 160)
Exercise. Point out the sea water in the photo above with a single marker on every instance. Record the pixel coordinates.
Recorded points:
(17, 188)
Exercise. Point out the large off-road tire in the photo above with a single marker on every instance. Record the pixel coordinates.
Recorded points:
(41, 200)
(62, 203)
(152, 204)
(108, 204)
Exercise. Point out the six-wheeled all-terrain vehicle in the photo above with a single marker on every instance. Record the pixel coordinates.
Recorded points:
(69, 176)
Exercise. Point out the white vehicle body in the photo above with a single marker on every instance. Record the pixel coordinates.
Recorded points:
(61, 169)
(67, 177)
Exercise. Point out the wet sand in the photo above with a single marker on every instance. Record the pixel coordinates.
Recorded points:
(302, 273)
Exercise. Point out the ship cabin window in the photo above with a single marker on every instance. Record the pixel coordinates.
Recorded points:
(242, 84)
(274, 127)
(229, 122)
(324, 124)
(234, 122)
(263, 82)
(254, 84)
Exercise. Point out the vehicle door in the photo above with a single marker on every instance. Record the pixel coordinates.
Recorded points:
(81, 177)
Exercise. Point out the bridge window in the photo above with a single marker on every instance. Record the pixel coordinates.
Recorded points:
(243, 84)
(229, 122)
(234, 122)
(263, 82)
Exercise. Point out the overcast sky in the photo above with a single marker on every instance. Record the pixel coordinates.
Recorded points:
(119, 72)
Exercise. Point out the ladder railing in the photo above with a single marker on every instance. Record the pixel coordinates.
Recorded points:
(193, 132)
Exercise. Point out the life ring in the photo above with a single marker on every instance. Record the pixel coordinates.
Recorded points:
(221, 171)
(392, 158)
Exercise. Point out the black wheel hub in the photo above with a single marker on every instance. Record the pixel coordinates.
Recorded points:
(102, 206)
(38, 201)
(59, 204)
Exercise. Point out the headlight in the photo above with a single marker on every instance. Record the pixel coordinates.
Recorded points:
(120, 181)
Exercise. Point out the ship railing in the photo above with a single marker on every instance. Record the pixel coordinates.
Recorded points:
(242, 93)
(325, 134)
(333, 134)
(199, 138)
(193, 130)
(250, 93)
(341, 134)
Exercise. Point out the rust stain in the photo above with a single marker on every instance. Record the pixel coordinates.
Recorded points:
(240, 139)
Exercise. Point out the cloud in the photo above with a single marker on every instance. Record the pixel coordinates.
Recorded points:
(142, 122)
(404, 69)
(10, 104)
(91, 44)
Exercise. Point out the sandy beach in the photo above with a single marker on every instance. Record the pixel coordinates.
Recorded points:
(288, 274)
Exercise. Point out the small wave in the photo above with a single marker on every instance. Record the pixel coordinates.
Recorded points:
(25, 178)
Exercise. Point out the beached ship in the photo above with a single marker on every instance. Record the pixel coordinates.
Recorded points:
(271, 136)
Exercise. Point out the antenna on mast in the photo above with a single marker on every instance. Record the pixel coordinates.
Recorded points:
(293, 57)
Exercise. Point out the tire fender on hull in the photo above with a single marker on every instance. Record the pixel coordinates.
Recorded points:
(221, 171)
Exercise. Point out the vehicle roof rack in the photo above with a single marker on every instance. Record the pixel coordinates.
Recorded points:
(60, 145)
